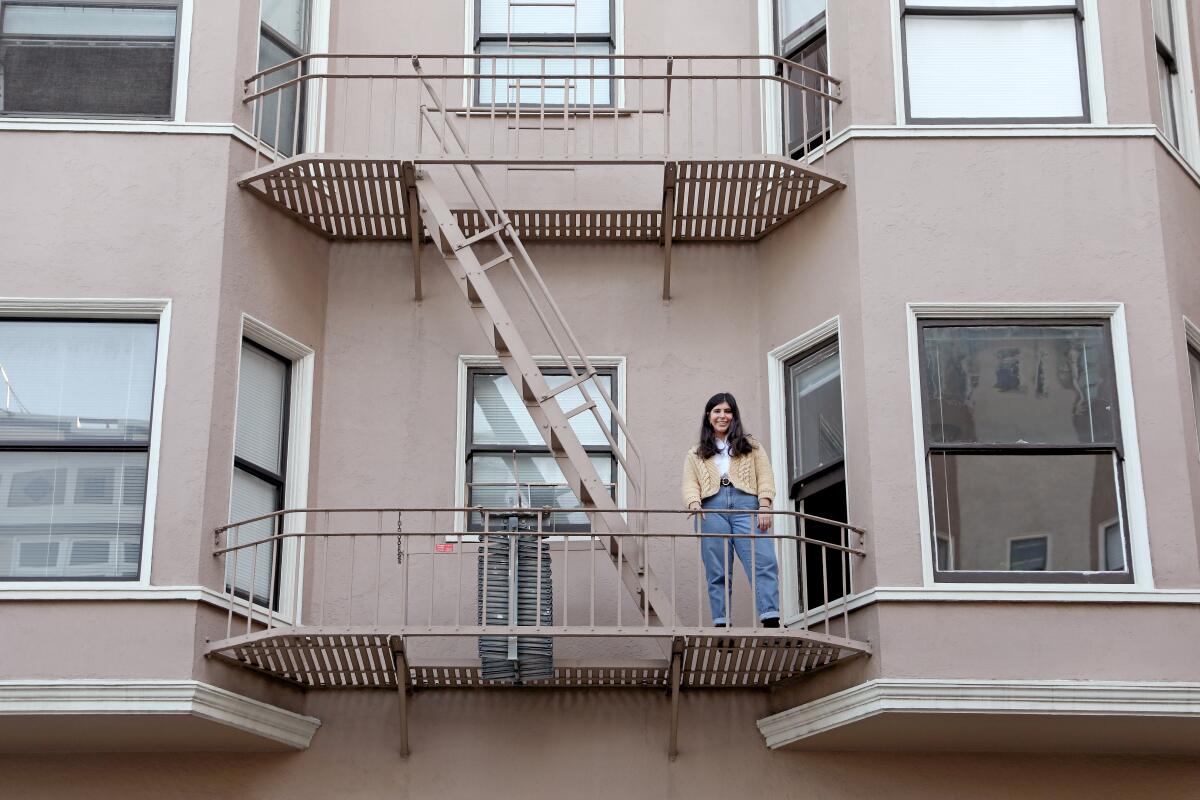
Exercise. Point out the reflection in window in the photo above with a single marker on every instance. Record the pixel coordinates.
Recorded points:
(75, 406)
(1169, 89)
(1023, 450)
(508, 463)
(283, 36)
(801, 38)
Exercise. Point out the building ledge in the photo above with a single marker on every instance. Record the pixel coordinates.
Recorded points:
(950, 715)
(115, 715)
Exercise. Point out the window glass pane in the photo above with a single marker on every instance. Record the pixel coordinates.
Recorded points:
(815, 405)
(65, 515)
(262, 392)
(288, 18)
(89, 21)
(807, 114)
(71, 381)
(989, 508)
(278, 117)
(1162, 21)
(493, 484)
(796, 14)
(1194, 368)
(1167, 94)
(535, 16)
(502, 79)
(993, 67)
(500, 417)
(254, 566)
(1018, 384)
(1114, 549)
(985, 3)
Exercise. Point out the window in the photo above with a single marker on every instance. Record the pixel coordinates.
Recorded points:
(88, 58)
(994, 60)
(1194, 369)
(1023, 451)
(508, 463)
(553, 31)
(259, 466)
(800, 37)
(75, 411)
(816, 467)
(1169, 91)
(283, 36)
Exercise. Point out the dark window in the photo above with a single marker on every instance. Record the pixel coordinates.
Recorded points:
(1023, 451)
(284, 36)
(816, 467)
(75, 401)
(508, 463)
(88, 58)
(1169, 91)
(568, 38)
(800, 37)
(259, 467)
(967, 61)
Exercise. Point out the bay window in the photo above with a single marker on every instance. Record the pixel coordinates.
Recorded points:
(1023, 451)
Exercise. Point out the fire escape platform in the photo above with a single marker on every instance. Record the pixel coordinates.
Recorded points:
(736, 199)
(708, 659)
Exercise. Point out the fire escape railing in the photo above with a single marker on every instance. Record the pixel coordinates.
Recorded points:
(413, 572)
(571, 107)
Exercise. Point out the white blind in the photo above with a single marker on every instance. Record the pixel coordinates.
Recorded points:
(500, 416)
(516, 17)
(89, 21)
(993, 67)
(262, 385)
(251, 497)
(1033, 4)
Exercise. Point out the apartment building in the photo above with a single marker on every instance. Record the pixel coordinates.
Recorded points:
(350, 351)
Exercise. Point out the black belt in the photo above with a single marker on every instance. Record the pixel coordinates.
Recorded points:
(725, 481)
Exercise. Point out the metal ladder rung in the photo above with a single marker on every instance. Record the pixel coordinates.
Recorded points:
(581, 408)
(578, 379)
(483, 234)
(495, 261)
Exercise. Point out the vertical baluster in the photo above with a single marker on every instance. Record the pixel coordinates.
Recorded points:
(641, 112)
(803, 100)
(483, 542)
(458, 591)
(256, 124)
(738, 80)
(542, 108)
(674, 581)
(275, 544)
(378, 563)
(614, 94)
(825, 585)
(442, 105)
(754, 610)
(563, 580)
(405, 556)
(620, 566)
(592, 106)
(301, 67)
(716, 132)
(690, 122)
(592, 542)
(492, 151)
(701, 575)
(466, 87)
(343, 128)
(324, 567)
(369, 108)
(232, 581)
(253, 581)
(392, 143)
(432, 565)
(537, 581)
(802, 544)
(353, 540)
(275, 143)
(299, 550)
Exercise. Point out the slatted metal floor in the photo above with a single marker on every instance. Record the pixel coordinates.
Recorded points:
(356, 661)
(726, 200)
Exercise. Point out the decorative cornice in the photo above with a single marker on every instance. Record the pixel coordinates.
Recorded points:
(158, 697)
(953, 696)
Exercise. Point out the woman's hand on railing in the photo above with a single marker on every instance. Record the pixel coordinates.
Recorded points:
(764, 520)
(694, 511)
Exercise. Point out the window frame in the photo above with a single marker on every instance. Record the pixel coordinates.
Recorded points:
(303, 132)
(792, 47)
(180, 55)
(79, 310)
(1116, 449)
(800, 486)
(1076, 7)
(476, 37)
(470, 449)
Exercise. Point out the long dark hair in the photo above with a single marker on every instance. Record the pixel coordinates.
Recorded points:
(739, 440)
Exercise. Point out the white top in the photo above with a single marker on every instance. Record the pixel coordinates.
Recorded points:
(721, 459)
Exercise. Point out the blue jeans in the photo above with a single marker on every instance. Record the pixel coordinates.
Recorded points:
(756, 553)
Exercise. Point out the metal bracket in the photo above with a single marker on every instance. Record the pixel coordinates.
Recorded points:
(408, 175)
(670, 170)
(676, 679)
(400, 664)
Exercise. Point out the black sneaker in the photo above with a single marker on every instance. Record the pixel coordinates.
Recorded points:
(771, 622)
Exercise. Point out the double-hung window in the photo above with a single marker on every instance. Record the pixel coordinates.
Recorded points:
(816, 467)
(1166, 47)
(800, 37)
(1023, 451)
(508, 464)
(547, 35)
(994, 61)
(75, 412)
(259, 468)
(283, 36)
(89, 59)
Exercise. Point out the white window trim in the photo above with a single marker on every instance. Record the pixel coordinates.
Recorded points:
(1189, 124)
(777, 409)
(1135, 497)
(772, 93)
(1097, 100)
(467, 362)
(296, 471)
(115, 309)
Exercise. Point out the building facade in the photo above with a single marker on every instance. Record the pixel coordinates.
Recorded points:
(301, 295)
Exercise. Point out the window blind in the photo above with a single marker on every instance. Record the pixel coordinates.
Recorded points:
(252, 497)
(516, 17)
(262, 388)
(998, 67)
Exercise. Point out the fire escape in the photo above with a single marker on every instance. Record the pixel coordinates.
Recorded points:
(421, 143)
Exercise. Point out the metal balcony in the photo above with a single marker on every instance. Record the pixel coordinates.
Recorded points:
(390, 598)
(659, 148)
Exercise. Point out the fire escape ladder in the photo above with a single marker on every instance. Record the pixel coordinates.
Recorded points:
(472, 273)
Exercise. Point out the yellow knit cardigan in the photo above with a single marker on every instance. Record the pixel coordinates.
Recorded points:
(751, 473)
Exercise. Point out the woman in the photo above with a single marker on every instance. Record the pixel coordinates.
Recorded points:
(728, 470)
